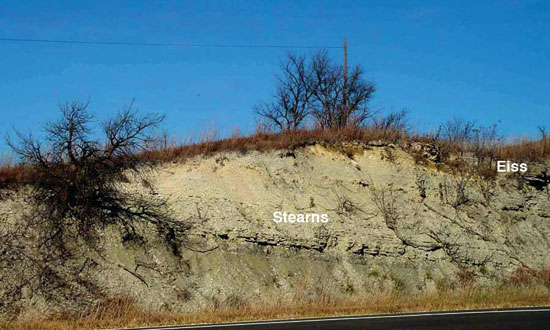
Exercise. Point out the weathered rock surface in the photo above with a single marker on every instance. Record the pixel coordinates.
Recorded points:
(393, 225)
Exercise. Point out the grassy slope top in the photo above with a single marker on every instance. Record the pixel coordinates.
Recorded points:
(485, 152)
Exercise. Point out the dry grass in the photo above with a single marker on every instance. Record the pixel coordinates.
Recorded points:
(525, 276)
(271, 141)
(536, 151)
(122, 312)
(525, 150)
(11, 174)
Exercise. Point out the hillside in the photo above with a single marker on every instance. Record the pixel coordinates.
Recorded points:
(394, 226)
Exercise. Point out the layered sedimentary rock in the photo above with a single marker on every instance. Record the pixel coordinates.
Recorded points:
(393, 225)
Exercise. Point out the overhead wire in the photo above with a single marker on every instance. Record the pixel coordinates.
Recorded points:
(161, 44)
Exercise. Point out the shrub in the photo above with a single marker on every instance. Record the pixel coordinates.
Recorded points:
(75, 177)
(394, 121)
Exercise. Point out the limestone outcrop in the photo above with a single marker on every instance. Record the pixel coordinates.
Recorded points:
(393, 225)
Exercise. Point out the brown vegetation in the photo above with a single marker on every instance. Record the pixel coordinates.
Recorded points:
(13, 175)
(272, 141)
(525, 276)
(530, 151)
(123, 312)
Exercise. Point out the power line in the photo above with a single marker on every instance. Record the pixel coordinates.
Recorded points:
(158, 44)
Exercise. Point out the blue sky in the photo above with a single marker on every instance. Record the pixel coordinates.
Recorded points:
(482, 60)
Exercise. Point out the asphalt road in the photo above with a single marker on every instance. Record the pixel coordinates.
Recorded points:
(501, 319)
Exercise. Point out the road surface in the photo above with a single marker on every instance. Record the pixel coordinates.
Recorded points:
(500, 319)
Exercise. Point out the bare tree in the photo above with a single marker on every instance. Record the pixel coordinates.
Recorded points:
(321, 89)
(327, 95)
(75, 178)
(337, 101)
(289, 107)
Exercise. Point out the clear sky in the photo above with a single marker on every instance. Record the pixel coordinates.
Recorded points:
(481, 60)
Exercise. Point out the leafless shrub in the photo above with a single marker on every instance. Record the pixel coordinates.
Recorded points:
(421, 183)
(461, 197)
(74, 193)
(484, 143)
(385, 202)
(394, 121)
(454, 193)
(487, 189)
(457, 131)
(459, 136)
(75, 186)
(445, 240)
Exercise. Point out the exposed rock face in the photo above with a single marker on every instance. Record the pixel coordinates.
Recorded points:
(393, 225)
